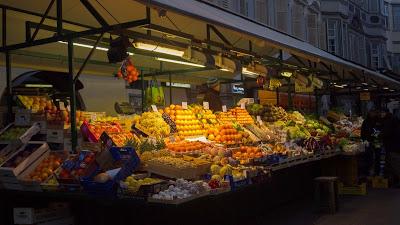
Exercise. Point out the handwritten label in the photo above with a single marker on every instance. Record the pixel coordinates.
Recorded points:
(206, 105)
(154, 107)
(243, 105)
(224, 108)
(259, 120)
(93, 117)
(184, 105)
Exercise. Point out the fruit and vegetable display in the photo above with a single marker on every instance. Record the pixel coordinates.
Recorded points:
(75, 168)
(36, 103)
(272, 113)
(12, 133)
(242, 116)
(181, 189)
(185, 146)
(153, 124)
(120, 139)
(188, 153)
(21, 155)
(96, 128)
(46, 168)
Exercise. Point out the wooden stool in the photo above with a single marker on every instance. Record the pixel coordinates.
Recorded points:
(330, 197)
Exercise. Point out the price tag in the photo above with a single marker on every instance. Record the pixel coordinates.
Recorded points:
(184, 105)
(154, 107)
(62, 106)
(93, 117)
(206, 105)
(243, 105)
(68, 108)
(259, 120)
(224, 108)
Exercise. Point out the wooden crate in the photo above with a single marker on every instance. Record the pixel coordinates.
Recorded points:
(353, 190)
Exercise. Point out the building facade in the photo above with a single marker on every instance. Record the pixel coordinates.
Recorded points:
(366, 32)
(393, 34)
(299, 18)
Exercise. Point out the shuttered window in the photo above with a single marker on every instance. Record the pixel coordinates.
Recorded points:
(282, 9)
(261, 11)
(312, 29)
(298, 21)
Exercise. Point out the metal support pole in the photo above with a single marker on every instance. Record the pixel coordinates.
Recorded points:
(46, 13)
(290, 100)
(208, 36)
(148, 17)
(277, 96)
(74, 138)
(8, 67)
(142, 93)
(316, 103)
(59, 17)
(9, 88)
(170, 88)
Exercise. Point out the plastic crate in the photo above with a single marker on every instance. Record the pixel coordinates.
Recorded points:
(360, 189)
(130, 161)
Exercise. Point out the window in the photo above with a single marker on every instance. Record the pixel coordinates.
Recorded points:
(363, 16)
(374, 5)
(244, 7)
(375, 60)
(261, 14)
(282, 9)
(332, 36)
(298, 20)
(396, 17)
(312, 28)
(351, 8)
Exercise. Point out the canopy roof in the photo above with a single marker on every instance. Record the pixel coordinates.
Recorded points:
(184, 25)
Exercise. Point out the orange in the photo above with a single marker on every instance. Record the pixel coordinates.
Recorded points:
(172, 106)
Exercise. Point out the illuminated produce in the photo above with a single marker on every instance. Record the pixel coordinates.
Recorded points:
(36, 103)
(226, 117)
(273, 113)
(185, 146)
(242, 116)
(228, 134)
(46, 168)
(153, 124)
(13, 133)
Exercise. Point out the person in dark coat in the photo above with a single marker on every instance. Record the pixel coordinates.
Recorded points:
(211, 94)
(370, 130)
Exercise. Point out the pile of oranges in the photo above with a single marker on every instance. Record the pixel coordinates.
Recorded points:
(185, 146)
(46, 168)
(242, 116)
(226, 134)
(171, 110)
(246, 153)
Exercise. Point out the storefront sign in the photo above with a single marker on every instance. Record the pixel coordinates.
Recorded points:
(238, 88)
(365, 96)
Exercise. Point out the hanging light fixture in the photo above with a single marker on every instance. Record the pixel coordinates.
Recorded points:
(179, 62)
(158, 48)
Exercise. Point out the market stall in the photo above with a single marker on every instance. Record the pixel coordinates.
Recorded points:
(181, 154)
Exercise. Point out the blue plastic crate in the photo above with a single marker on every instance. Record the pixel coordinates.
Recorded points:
(130, 161)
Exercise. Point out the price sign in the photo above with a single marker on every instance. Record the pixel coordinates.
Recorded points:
(172, 138)
(206, 105)
(224, 108)
(61, 105)
(243, 105)
(93, 117)
(259, 120)
(154, 107)
(184, 105)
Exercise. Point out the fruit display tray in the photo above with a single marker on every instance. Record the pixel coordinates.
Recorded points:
(10, 173)
(31, 185)
(174, 172)
(178, 201)
(24, 138)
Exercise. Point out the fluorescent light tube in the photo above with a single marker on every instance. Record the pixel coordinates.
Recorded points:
(180, 62)
(159, 49)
